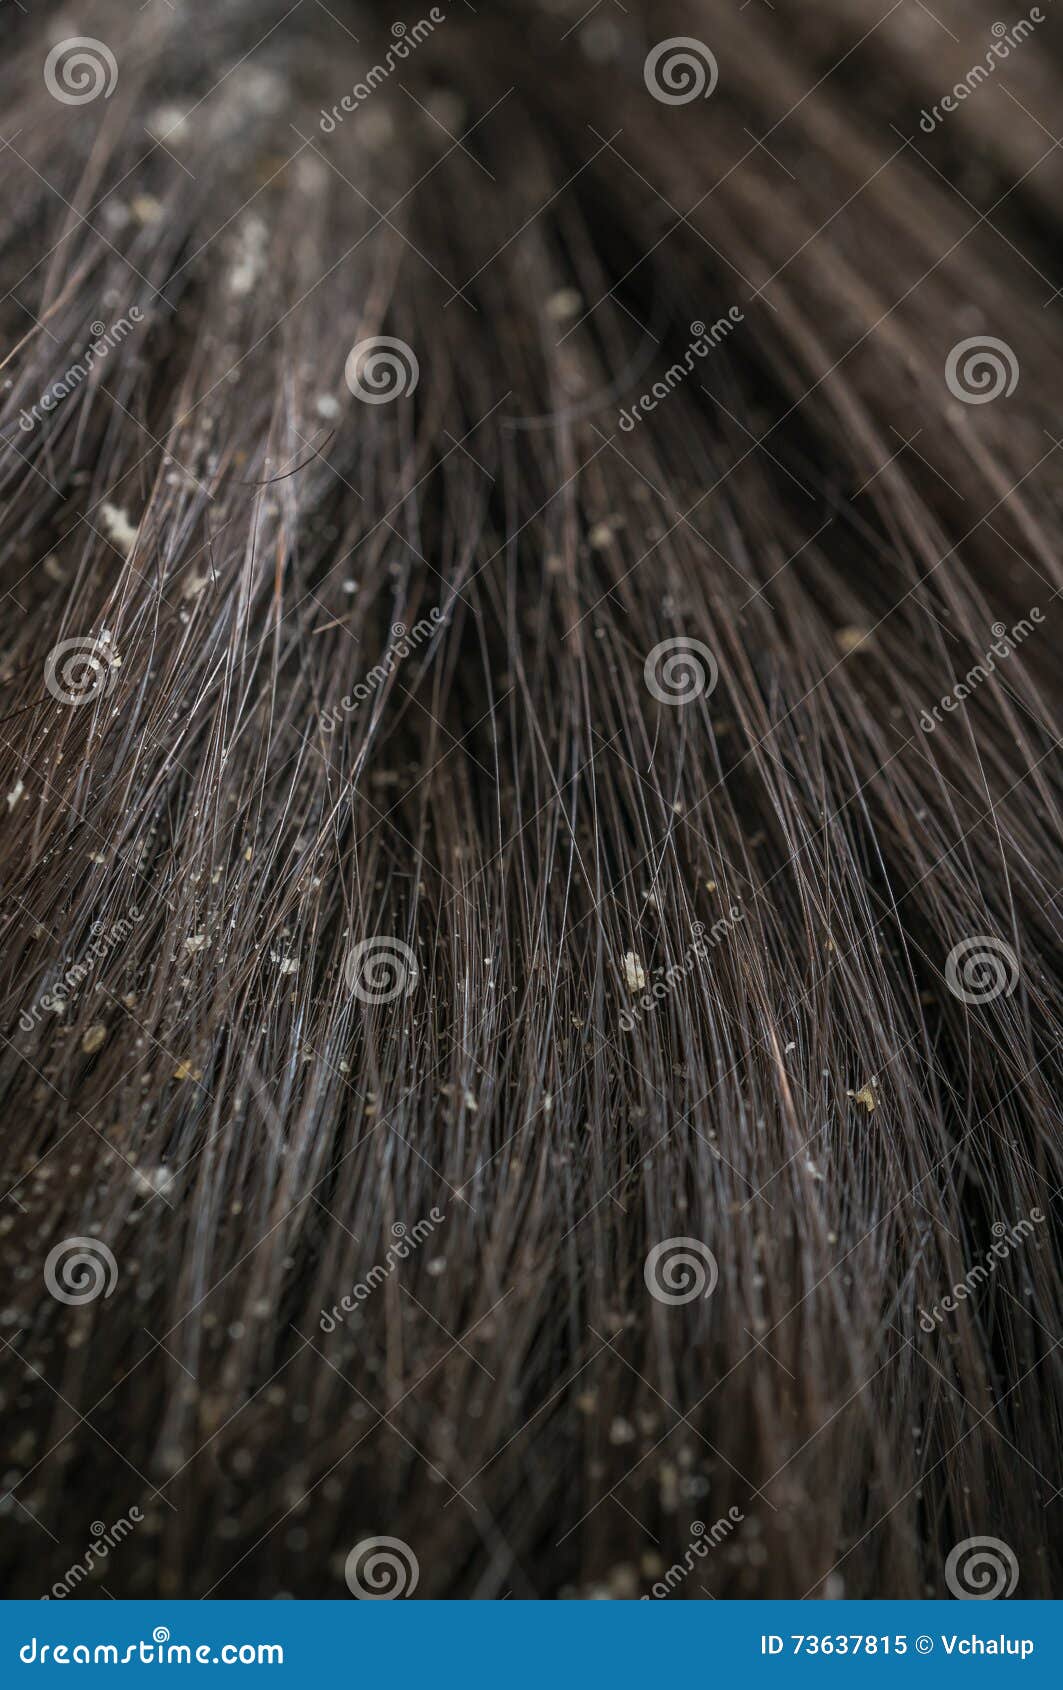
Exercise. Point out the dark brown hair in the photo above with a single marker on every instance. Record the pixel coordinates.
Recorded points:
(531, 843)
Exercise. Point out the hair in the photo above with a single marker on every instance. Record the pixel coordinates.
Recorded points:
(428, 796)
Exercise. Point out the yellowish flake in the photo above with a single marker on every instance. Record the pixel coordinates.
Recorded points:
(566, 302)
(146, 208)
(118, 527)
